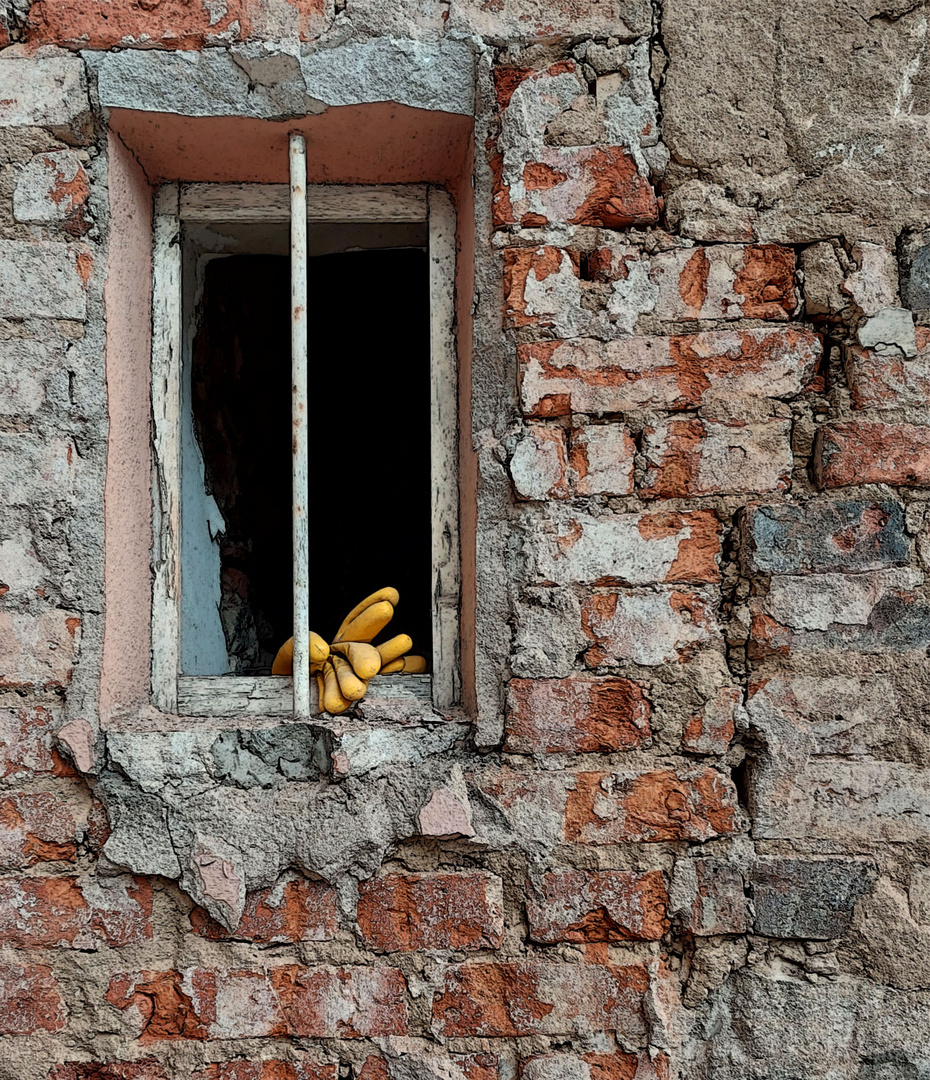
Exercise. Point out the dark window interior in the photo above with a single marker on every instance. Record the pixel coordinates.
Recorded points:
(369, 374)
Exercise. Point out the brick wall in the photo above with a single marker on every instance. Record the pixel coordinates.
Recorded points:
(696, 842)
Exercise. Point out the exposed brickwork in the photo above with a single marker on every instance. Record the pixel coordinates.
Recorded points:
(325, 1002)
(69, 912)
(26, 747)
(36, 828)
(611, 905)
(610, 808)
(710, 896)
(594, 1066)
(601, 458)
(95, 24)
(402, 912)
(725, 282)
(297, 911)
(144, 1069)
(858, 452)
(38, 650)
(539, 999)
(576, 715)
(30, 1001)
(707, 457)
(710, 730)
(269, 1070)
(649, 627)
(677, 372)
(850, 535)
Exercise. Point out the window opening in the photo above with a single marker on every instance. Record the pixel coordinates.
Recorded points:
(369, 437)
(382, 262)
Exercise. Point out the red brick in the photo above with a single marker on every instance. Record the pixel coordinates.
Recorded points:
(725, 281)
(143, 1069)
(53, 188)
(710, 730)
(716, 457)
(98, 826)
(579, 185)
(856, 452)
(49, 912)
(650, 627)
(403, 912)
(875, 611)
(844, 535)
(164, 1009)
(478, 1066)
(299, 911)
(433, 1064)
(97, 24)
(537, 183)
(344, 1003)
(889, 382)
(26, 743)
(694, 804)
(521, 999)
(29, 1000)
(683, 371)
(373, 1068)
(576, 715)
(319, 1002)
(269, 1070)
(539, 463)
(525, 267)
(601, 458)
(36, 828)
(577, 548)
(606, 905)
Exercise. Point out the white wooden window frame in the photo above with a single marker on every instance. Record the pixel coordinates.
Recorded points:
(177, 204)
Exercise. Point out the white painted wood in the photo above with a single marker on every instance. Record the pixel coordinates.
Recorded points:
(299, 423)
(447, 574)
(166, 476)
(399, 687)
(273, 695)
(325, 202)
(228, 695)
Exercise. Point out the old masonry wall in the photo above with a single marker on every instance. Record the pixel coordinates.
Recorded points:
(680, 827)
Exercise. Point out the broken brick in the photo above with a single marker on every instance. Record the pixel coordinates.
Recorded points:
(591, 906)
(611, 808)
(36, 828)
(295, 911)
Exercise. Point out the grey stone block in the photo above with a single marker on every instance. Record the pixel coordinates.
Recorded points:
(851, 536)
(807, 898)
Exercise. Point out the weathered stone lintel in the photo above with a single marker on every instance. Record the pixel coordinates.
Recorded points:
(269, 83)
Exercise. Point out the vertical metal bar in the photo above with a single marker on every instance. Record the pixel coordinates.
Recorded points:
(301, 531)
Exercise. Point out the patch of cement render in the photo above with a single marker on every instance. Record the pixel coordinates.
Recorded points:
(226, 812)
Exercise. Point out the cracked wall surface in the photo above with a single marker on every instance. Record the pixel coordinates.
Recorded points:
(680, 825)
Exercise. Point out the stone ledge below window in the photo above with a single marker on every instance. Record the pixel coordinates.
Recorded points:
(226, 810)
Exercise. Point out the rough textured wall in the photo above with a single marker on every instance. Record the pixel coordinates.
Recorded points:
(689, 834)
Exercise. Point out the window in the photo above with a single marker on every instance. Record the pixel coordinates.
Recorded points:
(383, 493)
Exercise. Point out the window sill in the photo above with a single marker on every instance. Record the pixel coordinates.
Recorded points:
(272, 695)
